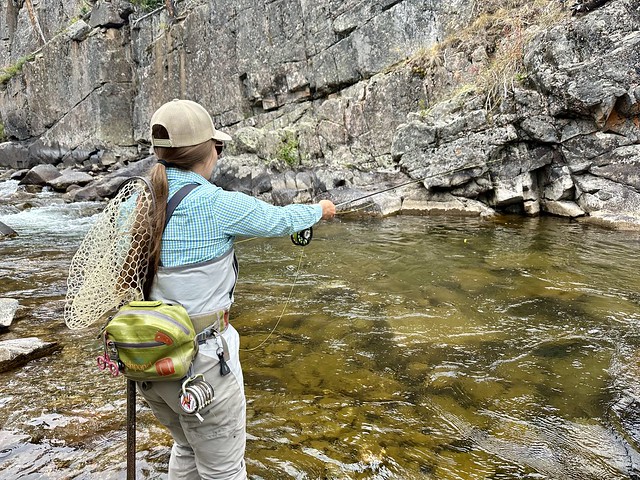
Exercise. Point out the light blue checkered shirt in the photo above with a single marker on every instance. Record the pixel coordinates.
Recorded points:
(206, 222)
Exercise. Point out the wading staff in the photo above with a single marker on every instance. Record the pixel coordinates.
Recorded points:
(131, 430)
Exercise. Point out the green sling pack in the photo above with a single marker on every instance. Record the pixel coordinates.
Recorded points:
(151, 341)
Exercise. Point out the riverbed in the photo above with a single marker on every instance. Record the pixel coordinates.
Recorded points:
(403, 348)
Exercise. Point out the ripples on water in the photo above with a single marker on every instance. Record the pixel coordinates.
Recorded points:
(411, 348)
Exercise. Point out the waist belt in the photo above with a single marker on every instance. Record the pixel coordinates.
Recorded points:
(209, 325)
(205, 322)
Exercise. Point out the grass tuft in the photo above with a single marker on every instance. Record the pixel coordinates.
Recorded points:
(502, 28)
(7, 73)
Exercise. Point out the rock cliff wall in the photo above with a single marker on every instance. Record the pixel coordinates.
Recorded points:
(325, 95)
(566, 140)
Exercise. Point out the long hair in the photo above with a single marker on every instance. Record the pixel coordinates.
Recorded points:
(184, 158)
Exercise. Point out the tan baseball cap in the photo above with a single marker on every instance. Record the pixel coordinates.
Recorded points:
(187, 122)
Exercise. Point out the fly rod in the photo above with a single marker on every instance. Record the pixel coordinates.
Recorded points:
(411, 182)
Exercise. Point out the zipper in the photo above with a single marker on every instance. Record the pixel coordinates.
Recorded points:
(152, 313)
(138, 345)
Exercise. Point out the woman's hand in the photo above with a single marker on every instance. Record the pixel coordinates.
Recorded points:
(328, 209)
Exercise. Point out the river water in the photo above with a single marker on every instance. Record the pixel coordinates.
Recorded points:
(411, 348)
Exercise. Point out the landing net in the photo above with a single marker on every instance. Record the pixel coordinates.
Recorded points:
(109, 268)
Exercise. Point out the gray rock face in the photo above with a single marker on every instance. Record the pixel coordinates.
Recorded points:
(571, 151)
(313, 50)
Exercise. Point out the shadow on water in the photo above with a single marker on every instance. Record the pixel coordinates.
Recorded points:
(411, 348)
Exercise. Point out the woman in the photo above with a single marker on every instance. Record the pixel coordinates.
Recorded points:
(193, 264)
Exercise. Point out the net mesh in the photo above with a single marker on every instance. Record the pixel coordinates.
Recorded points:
(109, 268)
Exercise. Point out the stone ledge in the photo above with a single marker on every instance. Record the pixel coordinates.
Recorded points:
(17, 352)
(613, 221)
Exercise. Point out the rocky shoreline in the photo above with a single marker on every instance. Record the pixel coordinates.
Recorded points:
(270, 183)
(377, 194)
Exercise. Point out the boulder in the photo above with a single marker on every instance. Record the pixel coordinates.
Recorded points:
(68, 178)
(17, 352)
(507, 191)
(79, 30)
(558, 184)
(247, 140)
(40, 175)
(19, 174)
(562, 208)
(107, 186)
(613, 221)
(110, 14)
(15, 155)
(446, 204)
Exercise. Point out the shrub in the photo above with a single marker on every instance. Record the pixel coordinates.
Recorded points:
(289, 150)
(148, 5)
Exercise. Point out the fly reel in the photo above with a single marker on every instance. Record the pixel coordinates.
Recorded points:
(303, 237)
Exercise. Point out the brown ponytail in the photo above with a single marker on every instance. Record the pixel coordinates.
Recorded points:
(158, 177)
(184, 158)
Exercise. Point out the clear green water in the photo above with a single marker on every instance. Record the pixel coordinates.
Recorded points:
(411, 348)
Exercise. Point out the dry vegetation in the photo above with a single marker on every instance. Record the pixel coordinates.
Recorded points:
(500, 30)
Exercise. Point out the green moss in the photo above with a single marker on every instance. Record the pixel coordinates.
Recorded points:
(7, 73)
(3, 136)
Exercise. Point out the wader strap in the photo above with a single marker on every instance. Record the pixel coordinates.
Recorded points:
(177, 198)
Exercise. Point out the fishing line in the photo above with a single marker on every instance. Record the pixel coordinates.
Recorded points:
(245, 240)
(284, 308)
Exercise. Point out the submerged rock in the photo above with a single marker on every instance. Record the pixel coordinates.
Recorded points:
(17, 352)
(6, 231)
(8, 307)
